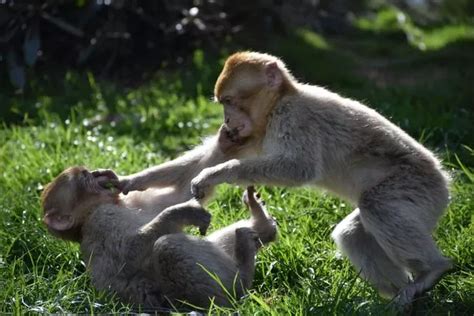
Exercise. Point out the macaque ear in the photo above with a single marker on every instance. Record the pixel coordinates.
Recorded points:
(273, 75)
(57, 221)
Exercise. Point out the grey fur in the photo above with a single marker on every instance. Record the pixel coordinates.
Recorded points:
(141, 255)
(316, 137)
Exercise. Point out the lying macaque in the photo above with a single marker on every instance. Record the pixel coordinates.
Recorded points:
(141, 254)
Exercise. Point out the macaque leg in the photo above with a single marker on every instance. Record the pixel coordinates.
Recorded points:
(262, 222)
(397, 227)
(252, 200)
(174, 218)
(246, 246)
(368, 257)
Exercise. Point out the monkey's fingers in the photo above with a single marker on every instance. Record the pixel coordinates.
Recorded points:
(110, 174)
(124, 186)
(203, 230)
(108, 183)
(127, 185)
(197, 191)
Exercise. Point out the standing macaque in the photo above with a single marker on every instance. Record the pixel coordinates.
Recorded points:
(298, 134)
(141, 254)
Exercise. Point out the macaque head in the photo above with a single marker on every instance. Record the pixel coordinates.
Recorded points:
(68, 200)
(248, 87)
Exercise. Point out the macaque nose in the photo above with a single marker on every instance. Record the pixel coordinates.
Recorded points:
(227, 120)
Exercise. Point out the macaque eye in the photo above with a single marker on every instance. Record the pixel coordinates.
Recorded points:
(226, 100)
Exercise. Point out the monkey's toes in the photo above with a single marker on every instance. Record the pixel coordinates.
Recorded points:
(251, 197)
(245, 198)
(405, 297)
(205, 219)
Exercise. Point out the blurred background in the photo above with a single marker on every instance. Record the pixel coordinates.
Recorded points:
(56, 55)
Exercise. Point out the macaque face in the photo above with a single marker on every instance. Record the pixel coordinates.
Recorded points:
(69, 198)
(247, 91)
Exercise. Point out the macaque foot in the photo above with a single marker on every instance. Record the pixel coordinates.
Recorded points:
(406, 296)
(203, 221)
(251, 198)
(422, 283)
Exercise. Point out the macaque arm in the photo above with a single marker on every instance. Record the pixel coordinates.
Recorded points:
(178, 171)
(271, 170)
(174, 218)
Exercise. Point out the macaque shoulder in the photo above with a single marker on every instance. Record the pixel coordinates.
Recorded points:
(293, 121)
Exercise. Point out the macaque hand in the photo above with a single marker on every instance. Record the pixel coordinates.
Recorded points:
(106, 178)
(128, 184)
(202, 182)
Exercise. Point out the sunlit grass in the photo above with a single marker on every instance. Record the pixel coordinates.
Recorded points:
(391, 19)
(81, 121)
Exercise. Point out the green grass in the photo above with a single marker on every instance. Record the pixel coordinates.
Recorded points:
(78, 120)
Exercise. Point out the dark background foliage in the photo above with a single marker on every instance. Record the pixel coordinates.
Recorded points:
(128, 40)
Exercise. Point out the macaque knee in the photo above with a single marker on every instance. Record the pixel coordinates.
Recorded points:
(174, 218)
(368, 257)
